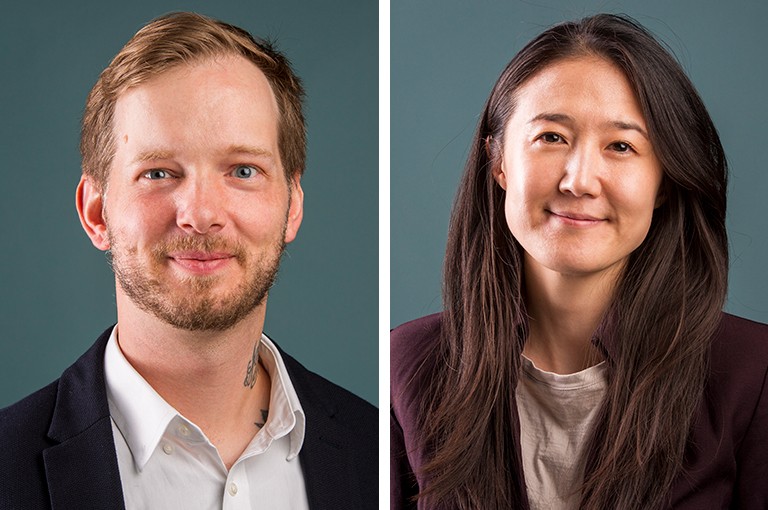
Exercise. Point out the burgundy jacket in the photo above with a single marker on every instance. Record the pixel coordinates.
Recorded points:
(726, 462)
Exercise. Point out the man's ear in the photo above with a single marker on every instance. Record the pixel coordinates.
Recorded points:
(296, 211)
(89, 201)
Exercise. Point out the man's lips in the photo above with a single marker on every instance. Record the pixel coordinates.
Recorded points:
(199, 255)
(201, 262)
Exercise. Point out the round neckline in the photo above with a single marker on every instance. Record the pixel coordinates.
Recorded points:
(582, 379)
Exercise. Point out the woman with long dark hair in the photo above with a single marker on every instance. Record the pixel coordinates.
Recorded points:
(582, 359)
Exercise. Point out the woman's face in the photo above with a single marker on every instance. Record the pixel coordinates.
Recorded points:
(580, 174)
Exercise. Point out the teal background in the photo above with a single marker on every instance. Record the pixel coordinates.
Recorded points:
(57, 292)
(445, 57)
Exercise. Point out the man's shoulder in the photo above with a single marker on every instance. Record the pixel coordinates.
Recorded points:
(340, 450)
(28, 418)
(315, 389)
(25, 425)
(23, 438)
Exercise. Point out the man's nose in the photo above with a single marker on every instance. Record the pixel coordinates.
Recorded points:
(581, 174)
(200, 205)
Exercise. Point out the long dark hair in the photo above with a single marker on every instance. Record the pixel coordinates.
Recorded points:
(665, 308)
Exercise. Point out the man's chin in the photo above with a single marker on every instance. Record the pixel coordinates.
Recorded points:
(201, 310)
(208, 320)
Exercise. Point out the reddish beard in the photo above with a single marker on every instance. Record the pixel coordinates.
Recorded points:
(197, 307)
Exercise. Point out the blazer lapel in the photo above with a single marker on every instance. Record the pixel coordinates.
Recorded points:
(327, 464)
(326, 457)
(81, 469)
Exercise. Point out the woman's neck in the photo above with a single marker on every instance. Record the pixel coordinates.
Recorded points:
(564, 311)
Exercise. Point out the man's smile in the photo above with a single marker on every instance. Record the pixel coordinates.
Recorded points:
(201, 262)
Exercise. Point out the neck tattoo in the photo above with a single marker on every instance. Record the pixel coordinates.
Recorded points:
(252, 372)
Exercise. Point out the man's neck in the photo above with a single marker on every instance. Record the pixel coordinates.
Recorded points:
(212, 378)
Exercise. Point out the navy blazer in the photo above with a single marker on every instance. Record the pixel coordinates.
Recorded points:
(726, 462)
(57, 450)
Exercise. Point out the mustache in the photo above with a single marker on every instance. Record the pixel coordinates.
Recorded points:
(203, 243)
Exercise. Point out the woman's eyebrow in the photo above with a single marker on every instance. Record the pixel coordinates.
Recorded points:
(627, 125)
(563, 118)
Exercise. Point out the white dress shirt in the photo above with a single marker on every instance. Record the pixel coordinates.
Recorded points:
(166, 462)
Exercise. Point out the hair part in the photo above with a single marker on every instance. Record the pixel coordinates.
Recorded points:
(186, 38)
(677, 276)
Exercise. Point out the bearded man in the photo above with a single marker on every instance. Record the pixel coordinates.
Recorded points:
(193, 146)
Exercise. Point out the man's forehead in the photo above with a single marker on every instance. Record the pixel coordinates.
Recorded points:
(225, 77)
(222, 59)
(224, 104)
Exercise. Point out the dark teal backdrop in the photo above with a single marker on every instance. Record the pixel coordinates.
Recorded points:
(445, 57)
(57, 292)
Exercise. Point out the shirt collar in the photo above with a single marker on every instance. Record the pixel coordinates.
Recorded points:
(142, 415)
(136, 408)
(286, 416)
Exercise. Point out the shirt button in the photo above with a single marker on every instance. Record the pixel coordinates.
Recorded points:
(168, 449)
(184, 430)
(232, 489)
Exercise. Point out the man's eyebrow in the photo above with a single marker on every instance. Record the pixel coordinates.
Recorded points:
(161, 154)
(562, 118)
(153, 155)
(250, 150)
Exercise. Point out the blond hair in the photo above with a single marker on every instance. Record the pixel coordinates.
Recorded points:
(184, 38)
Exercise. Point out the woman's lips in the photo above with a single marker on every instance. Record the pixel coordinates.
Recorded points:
(576, 219)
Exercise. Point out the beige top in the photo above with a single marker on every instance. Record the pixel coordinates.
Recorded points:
(556, 416)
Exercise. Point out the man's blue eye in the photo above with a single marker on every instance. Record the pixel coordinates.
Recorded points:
(244, 172)
(156, 174)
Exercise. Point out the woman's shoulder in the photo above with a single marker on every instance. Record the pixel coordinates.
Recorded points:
(412, 350)
(740, 345)
(738, 368)
(418, 333)
(728, 442)
(747, 327)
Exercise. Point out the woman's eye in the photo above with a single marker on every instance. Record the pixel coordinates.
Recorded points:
(551, 138)
(156, 174)
(244, 172)
(620, 147)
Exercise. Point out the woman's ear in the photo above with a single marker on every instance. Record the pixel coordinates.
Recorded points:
(89, 200)
(497, 163)
(500, 175)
